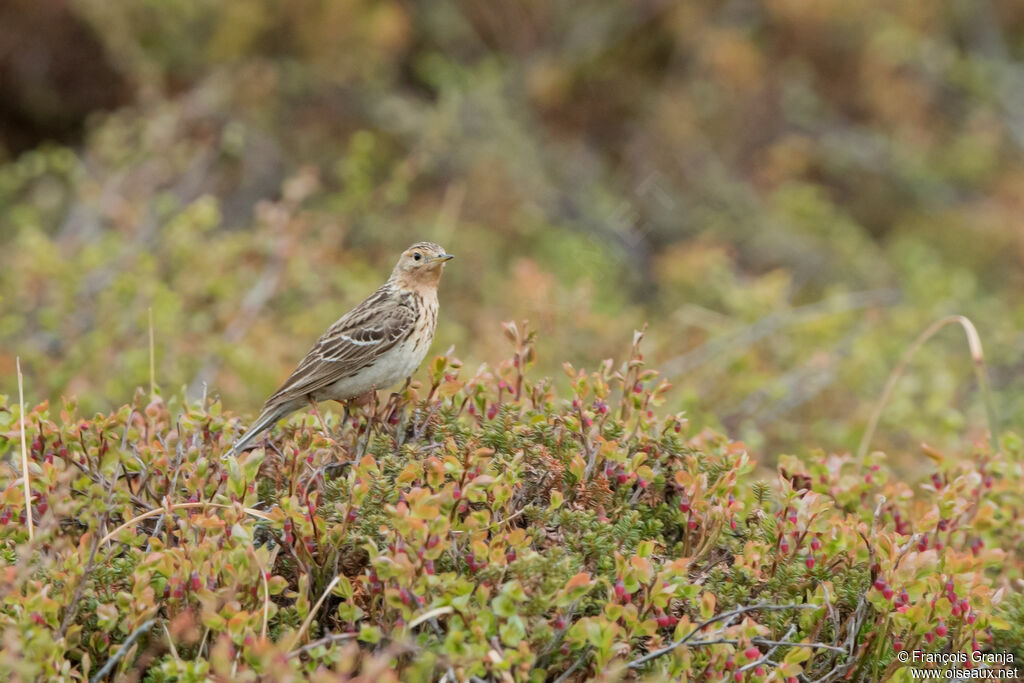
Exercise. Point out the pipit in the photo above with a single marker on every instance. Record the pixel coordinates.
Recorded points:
(377, 344)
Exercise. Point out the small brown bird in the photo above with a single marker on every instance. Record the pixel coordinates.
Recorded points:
(377, 344)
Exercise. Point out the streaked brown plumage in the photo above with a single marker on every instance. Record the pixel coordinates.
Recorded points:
(378, 343)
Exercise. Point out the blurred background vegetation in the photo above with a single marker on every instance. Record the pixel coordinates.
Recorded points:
(787, 191)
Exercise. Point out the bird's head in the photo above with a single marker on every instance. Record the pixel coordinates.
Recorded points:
(420, 266)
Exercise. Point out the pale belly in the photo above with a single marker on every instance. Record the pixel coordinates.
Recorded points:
(391, 368)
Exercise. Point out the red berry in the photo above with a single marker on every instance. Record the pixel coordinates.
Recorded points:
(684, 505)
(815, 544)
(897, 646)
(880, 583)
(751, 652)
(941, 630)
(809, 562)
(887, 592)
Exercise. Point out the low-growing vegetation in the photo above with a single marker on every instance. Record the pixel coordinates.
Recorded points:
(477, 526)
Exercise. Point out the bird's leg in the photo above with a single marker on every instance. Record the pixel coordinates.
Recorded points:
(400, 427)
(316, 411)
(344, 414)
(363, 401)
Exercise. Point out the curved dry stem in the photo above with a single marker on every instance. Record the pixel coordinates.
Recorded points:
(178, 506)
(266, 587)
(977, 356)
(313, 611)
(24, 454)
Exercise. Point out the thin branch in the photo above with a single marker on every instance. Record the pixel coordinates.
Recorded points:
(639, 662)
(577, 664)
(765, 642)
(72, 609)
(122, 651)
(178, 506)
(746, 336)
(326, 640)
(758, 662)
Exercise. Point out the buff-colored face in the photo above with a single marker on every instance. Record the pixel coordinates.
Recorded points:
(422, 263)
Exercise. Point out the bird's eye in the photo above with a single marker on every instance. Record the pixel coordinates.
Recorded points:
(417, 256)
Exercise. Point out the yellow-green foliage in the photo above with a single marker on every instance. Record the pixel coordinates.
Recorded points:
(482, 525)
(712, 169)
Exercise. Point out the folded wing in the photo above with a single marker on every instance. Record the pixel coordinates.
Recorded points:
(349, 345)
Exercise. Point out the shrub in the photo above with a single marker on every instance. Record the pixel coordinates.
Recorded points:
(482, 527)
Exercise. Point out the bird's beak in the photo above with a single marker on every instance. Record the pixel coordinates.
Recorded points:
(442, 258)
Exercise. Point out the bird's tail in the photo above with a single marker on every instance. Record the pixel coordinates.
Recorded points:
(266, 419)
